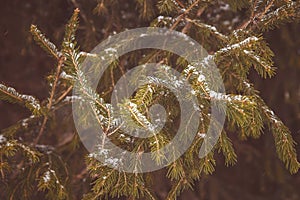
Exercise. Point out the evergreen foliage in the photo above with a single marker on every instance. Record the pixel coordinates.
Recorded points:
(235, 43)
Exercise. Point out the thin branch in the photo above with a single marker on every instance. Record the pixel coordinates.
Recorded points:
(84, 16)
(266, 9)
(180, 17)
(49, 105)
(251, 18)
(63, 95)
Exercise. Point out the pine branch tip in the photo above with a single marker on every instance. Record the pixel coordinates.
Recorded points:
(77, 10)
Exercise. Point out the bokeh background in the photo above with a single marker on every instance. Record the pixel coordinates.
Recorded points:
(257, 175)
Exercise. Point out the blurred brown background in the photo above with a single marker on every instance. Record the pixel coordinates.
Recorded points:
(258, 174)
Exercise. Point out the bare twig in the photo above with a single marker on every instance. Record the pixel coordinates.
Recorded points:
(180, 17)
(63, 95)
(49, 105)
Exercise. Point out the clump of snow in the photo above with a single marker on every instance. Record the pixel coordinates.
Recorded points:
(225, 7)
(46, 177)
(110, 51)
(2, 139)
(216, 95)
(239, 45)
(160, 18)
(143, 35)
(8, 144)
(73, 98)
(201, 78)
(112, 162)
(64, 75)
(202, 135)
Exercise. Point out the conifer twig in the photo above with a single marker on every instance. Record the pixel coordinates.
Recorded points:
(49, 105)
(179, 3)
(180, 17)
(84, 16)
(266, 9)
(188, 24)
(259, 16)
(252, 16)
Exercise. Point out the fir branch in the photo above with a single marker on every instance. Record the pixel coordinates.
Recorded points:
(283, 14)
(208, 163)
(210, 29)
(269, 5)
(238, 4)
(255, 53)
(176, 189)
(227, 149)
(51, 183)
(29, 153)
(285, 145)
(43, 42)
(11, 95)
(237, 46)
(166, 6)
(266, 68)
(10, 147)
(100, 109)
(176, 170)
(71, 27)
(246, 111)
(138, 116)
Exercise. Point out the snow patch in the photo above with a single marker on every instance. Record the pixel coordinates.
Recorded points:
(46, 177)
(2, 139)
